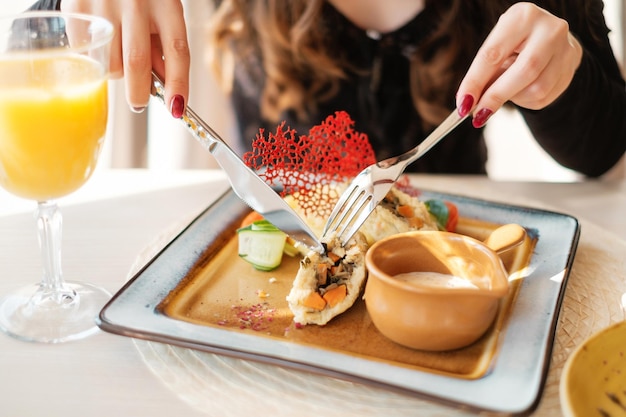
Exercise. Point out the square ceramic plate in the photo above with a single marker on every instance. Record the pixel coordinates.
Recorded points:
(197, 293)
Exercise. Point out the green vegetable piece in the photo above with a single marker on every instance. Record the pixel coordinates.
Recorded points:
(439, 210)
(264, 225)
(290, 249)
(261, 244)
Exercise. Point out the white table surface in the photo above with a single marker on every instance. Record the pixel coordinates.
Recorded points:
(111, 220)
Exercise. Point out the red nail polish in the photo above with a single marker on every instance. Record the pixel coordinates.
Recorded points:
(177, 106)
(481, 117)
(466, 105)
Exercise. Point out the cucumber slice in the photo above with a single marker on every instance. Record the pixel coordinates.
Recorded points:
(290, 249)
(264, 225)
(261, 244)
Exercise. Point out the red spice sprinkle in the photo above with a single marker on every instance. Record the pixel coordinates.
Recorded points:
(255, 317)
(331, 152)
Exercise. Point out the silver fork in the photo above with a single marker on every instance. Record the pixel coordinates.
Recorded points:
(248, 186)
(373, 183)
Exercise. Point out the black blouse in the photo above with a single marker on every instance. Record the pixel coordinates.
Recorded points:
(584, 129)
(379, 101)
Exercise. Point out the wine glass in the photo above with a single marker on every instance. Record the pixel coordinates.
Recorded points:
(53, 116)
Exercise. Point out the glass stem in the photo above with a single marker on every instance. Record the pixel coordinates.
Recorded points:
(49, 223)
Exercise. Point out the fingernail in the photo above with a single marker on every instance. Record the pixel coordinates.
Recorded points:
(137, 109)
(481, 117)
(177, 106)
(466, 105)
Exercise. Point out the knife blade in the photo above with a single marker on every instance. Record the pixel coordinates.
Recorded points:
(248, 186)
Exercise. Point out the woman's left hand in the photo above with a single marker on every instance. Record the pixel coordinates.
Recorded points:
(529, 58)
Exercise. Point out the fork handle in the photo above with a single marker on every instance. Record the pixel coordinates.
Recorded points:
(451, 122)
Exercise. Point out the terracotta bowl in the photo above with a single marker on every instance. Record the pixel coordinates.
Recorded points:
(430, 315)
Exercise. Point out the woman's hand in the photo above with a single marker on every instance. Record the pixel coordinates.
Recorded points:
(529, 58)
(149, 34)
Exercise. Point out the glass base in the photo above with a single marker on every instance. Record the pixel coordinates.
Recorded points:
(32, 315)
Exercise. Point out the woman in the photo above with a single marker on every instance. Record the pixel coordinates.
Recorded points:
(397, 67)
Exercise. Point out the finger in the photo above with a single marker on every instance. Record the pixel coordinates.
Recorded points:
(109, 11)
(532, 78)
(548, 86)
(176, 56)
(116, 62)
(136, 55)
(554, 79)
(157, 55)
(498, 50)
(523, 74)
(116, 65)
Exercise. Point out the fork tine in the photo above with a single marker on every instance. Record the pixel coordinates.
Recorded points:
(349, 213)
(354, 208)
(340, 211)
(371, 185)
(352, 205)
(359, 213)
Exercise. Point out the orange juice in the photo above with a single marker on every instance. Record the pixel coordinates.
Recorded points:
(53, 115)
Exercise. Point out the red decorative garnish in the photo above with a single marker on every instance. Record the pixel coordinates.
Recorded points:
(404, 184)
(303, 166)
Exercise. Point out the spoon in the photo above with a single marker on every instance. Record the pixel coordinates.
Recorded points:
(505, 237)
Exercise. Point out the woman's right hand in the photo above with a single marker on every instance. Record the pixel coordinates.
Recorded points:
(529, 58)
(149, 35)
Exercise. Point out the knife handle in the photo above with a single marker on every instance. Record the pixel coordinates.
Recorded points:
(202, 132)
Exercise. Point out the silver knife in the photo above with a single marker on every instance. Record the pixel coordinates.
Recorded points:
(245, 182)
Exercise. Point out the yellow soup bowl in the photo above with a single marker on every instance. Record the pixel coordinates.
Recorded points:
(593, 381)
